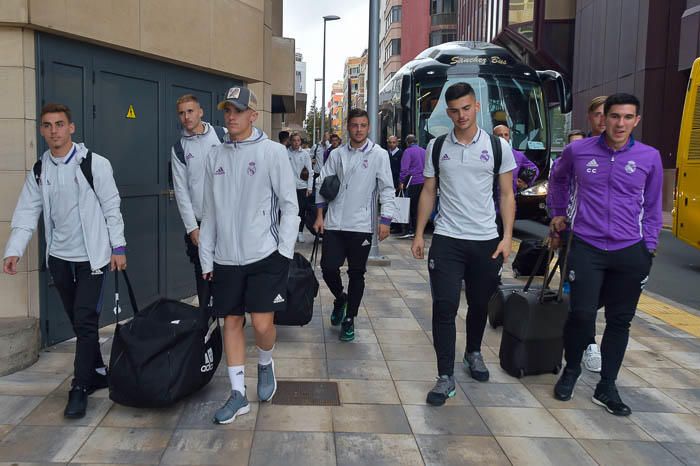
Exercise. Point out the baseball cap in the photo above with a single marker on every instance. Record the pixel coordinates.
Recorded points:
(240, 97)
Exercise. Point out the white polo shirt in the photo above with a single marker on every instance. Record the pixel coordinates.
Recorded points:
(467, 209)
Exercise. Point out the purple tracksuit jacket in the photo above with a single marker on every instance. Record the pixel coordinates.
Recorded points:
(522, 162)
(412, 164)
(613, 197)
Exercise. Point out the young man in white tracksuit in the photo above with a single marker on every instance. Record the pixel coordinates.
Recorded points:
(84, 234)
(245, 245)
(364, 171)
(187, 159)
(300, 159)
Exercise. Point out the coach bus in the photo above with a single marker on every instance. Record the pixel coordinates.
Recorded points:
(686, 212)
(510, 93)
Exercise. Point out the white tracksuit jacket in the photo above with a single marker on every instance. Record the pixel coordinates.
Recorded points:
(102, 223)
(364, 173)
(247, 185)
(298, 160)
(188, 178)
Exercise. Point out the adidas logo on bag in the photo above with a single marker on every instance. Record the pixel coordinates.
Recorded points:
(208, 361)
(278, 299)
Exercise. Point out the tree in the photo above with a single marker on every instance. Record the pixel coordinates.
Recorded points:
(309, 123)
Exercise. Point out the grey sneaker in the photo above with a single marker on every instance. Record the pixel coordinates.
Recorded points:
(236, 405)
(267, 383)
(474, 363)
(444, 388)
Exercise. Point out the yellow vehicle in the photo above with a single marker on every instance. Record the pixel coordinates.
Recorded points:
(686, 212)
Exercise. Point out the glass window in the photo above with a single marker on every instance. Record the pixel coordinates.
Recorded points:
(521, 16)
(393, 16)
(516, 102)
(442, 6)
(392, 48)
(440, 37)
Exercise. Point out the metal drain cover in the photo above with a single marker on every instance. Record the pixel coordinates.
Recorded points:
(306, 393)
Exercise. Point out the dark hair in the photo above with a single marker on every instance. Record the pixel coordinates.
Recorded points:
(333, 135)
(459, 90)
(56, 108)
(283, 135)
(357, 113)
(574, 132)
(410, 139)
(621, 99)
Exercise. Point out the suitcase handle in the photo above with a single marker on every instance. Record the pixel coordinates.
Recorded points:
(130, 290)
(548, 276)
(314, 249)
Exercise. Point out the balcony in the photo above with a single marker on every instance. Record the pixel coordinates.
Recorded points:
(443, 19)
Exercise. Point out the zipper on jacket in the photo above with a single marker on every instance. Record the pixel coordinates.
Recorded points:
(612, 165)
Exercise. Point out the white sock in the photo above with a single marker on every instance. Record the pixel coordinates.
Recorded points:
(265, 357)
(237, 376)
(101, 370)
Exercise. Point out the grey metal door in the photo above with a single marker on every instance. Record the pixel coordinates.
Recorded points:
(124, 109)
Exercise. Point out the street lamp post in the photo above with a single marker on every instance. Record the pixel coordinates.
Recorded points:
(315, 111)
(323, 78)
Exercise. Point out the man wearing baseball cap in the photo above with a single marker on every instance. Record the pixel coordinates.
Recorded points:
(248, 232)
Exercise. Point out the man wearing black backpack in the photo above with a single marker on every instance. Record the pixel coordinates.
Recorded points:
(84, 234)
(188, 161)
(471, 165)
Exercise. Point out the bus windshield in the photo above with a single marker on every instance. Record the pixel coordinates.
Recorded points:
(515, 102)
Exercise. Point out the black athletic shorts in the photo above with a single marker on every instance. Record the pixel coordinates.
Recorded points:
(257, 287)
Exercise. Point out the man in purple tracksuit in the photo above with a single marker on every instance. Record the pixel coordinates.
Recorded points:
(614, 184)
(411, 178)
(526, 171)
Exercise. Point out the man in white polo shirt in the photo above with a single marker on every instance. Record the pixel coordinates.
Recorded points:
(465, 243)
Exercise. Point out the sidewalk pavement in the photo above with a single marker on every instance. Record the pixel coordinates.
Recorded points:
(383, 378)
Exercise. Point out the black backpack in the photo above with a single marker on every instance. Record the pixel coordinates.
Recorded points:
(497, 159)
(85, 167)
(180, 151)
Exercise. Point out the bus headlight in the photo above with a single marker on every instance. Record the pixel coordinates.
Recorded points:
(539, 189)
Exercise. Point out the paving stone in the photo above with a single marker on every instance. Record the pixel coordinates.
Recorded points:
(211, 447)
(367, 391)
(50, 412)
(670, 427)
(296, 334)
(598, 424)
(5, 429)
(53, 363)
(124, 445)
(125, 416)
(381, 419)
(647, 359)
(668, 378)
(297, 350)
(615, 452)
(382, 323)
(294, 418)
(292, 449)
(412, 392)
(522, 422)
(15, 408)
(523, 451)
(660, 344)
(687, 453)
(413, 370)
(499, 394)
(39, 443)
(27, 383)
(376, 449)
(355, 369)
(402, 337)
(460, 450)
(419, 353)
(353, 350)
(581, 399)
(294, 369)
(625, 378)
(651, 400)
(445, 420)
(685, 359)
(688, 398)
(200, 415)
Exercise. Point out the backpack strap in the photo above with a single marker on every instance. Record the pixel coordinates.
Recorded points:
(497, 159)
(86, 168)
(220, 133)
(179, 152)
(437, 148)
(37, 171)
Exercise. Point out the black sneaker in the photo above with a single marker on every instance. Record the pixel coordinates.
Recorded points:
(339, 307)
(98, 382)
(443, 390)
(77, 403)
(564, 388)
(607, 397)
(347, 330)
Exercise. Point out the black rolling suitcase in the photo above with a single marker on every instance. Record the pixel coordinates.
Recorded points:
(533, 328)
(498, 299)
(526, 260)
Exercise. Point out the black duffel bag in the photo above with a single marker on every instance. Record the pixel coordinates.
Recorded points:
(302, 288)
(165, 352)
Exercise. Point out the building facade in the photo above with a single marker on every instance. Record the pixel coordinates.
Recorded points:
(120, 65)
(336, 110)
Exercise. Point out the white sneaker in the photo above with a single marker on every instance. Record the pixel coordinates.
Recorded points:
(300, 237)
(591, 358)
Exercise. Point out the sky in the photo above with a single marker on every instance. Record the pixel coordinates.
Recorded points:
(347, 37)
